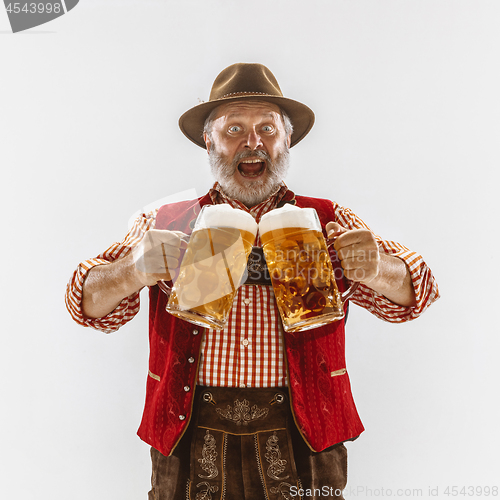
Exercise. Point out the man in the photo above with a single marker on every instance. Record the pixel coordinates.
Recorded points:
(247, 412)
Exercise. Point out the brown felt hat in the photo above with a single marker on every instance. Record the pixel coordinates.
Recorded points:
(244, 81)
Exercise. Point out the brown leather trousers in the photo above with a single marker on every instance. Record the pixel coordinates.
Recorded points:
(243, 444)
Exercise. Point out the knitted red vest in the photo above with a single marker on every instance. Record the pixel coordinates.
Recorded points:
(319, 386)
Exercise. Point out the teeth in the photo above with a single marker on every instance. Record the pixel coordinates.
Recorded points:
(251, 161)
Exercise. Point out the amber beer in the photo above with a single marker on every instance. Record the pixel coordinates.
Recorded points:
(300, 267)
(213, 266)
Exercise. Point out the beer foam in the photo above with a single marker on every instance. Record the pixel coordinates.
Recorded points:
(289, 216)
(226, 216)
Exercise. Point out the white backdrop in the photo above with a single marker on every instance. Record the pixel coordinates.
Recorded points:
(408, 120)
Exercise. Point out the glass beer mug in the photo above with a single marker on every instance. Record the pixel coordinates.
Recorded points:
(300, 268)
(213, 266)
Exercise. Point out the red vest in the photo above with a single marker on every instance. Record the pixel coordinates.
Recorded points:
(319, 387)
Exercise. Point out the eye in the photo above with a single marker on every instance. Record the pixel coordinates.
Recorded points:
(234, 128)
(267, 128)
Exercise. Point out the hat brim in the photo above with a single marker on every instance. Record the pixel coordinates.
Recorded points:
(192, 121)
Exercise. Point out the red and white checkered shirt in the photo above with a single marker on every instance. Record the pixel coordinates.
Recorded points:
(249, 352)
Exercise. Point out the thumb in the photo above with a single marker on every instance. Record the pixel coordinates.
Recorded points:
(333, 229)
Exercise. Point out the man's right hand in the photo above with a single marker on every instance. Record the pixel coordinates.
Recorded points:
(157, 256)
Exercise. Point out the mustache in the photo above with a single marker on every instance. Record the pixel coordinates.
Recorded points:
(251, 154)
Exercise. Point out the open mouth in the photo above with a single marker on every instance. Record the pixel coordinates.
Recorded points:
(251, 168)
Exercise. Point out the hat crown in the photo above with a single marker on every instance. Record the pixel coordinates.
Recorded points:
(246, 82)
(245, 79)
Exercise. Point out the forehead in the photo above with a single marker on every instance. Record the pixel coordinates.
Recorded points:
(249, 109)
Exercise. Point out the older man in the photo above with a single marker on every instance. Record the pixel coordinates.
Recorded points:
(250, 411)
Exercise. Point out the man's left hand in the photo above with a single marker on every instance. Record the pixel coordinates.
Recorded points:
(357, 250)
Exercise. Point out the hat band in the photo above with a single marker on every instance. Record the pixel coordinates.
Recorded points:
(243, 94)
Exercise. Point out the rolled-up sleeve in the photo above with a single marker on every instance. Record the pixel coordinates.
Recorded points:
(424, 283)
(129, 306)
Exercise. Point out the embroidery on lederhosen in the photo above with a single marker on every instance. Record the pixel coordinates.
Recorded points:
(208, 457)
(241, 414)
(273, 456)
(206, 494)
(283, 489)
(276, 487)
(277, 466)
(208, 464)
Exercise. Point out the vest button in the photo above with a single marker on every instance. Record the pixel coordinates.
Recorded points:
(195, 332)
(191, 359)
(182, 417)
(187, 388)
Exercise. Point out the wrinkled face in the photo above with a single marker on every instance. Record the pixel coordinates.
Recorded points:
(248, 150)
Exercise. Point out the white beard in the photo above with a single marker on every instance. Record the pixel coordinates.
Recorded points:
(254, 192)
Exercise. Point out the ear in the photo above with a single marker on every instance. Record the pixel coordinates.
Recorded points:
(289, 140)
(208, 143)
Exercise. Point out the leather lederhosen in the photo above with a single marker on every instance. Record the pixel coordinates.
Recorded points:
(243, 444)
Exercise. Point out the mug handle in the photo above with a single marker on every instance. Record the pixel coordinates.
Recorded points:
(354, 284)
(162, 284)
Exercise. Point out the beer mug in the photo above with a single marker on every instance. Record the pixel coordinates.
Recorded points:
(300, 268)
(213, 266)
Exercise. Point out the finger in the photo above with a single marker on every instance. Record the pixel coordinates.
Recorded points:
(360, 266)
(359, 274)
(352, 262)
(347, 251)
(159, 276)
(152, 240)
(363, 237)
(173, 238)
(157, 263)
(152, 279)
(170, 262)
(352, 269)
(184, 238)
(360, 254)
(165, 262)
(334, 229)
(167, 250)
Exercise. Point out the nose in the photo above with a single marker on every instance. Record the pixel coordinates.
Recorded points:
(253, 140)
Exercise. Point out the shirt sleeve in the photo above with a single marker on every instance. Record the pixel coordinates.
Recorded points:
(129, 306)
(424, 283)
